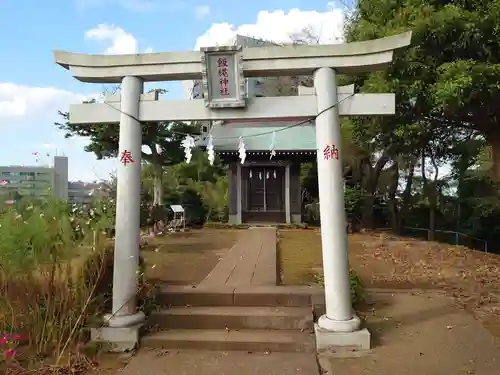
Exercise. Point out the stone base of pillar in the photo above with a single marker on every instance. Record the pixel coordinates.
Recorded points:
(296, 218)
(120, 321)
(117, 339)
(233, 219)
(121, 332)
(341, 338)
(350, 325)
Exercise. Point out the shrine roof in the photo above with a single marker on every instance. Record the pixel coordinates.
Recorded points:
(259, 137)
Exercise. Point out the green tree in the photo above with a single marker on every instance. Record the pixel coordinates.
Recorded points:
(214, 196)
(163, 140)
(446, 85)
(452, 69)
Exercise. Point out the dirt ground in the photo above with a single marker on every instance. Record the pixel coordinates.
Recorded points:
(421, 334)
(469, 277)
(186, 257)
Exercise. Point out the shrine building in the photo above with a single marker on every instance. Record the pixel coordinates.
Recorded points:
(264, 189)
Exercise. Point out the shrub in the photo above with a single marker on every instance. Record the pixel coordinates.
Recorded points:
(357, 287)
(103, 281)
(45, 293)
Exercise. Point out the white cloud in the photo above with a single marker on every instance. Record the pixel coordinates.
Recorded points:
(21, 102)
(202, 11)
(120, 42)
(279, 26)
(36, 108)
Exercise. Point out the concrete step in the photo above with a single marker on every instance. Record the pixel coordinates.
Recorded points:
(233, 317)
(227, 340)
(187, 295)
(291, 296)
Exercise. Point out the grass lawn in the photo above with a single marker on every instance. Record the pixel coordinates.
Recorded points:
(300, 255)
(186, 257)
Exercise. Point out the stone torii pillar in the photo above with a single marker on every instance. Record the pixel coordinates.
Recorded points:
(128, 199)
(339, 315)
(225, 99)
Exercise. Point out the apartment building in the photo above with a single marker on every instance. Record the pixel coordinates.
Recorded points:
(35, 181)
(47, 181)
(81, 192)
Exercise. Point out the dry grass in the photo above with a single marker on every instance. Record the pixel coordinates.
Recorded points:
(178, 258)
(188, 257)
(300, 256)
(384, 261)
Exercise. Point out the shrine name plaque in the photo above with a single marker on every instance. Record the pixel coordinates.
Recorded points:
(223, 81)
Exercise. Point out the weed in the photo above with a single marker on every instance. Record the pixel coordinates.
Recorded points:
(357, 287)
(45, 294)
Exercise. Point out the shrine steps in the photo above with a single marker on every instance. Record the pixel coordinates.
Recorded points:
(252, 295)
(238, 305)
(234, 318)
(254, 319)
(247, 340)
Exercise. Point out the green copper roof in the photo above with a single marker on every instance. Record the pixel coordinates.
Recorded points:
(257, 138)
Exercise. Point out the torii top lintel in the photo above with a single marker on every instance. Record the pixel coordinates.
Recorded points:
(357, 57)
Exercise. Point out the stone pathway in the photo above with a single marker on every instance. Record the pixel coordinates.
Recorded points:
(241, 291)
(221, 363)
(251, 261)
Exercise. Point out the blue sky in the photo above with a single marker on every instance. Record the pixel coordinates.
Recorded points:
(33, 88)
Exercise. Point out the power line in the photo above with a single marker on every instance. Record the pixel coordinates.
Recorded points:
(251, 135)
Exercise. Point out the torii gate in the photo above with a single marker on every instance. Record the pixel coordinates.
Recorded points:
(223, 71)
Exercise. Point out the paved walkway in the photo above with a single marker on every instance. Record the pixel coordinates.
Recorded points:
(251, 261)
(200, 362)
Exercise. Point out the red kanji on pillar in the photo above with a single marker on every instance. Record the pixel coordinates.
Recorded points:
(330, 152)
(126, 158)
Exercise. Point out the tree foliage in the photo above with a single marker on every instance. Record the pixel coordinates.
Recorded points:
(434, 165)
(447, 84)
(163, 140)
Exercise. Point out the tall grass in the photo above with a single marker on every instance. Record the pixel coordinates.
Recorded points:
(52, 259)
